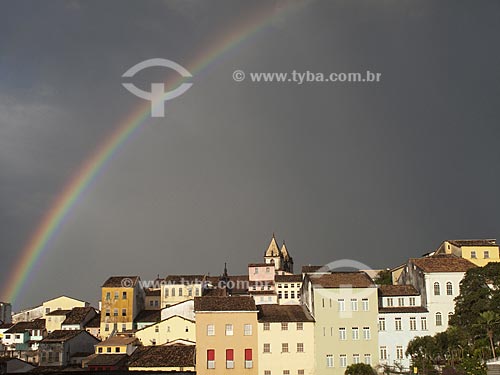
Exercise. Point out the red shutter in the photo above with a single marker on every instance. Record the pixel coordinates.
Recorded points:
(211, 355)
(248, 354)
(229, 355)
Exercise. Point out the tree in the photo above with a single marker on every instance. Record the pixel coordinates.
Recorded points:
(384, 277)
(488, 320)
(360, 369)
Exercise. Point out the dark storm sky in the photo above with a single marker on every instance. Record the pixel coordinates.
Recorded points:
(371, 172)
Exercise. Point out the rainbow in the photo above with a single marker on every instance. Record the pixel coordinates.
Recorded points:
(79, 182)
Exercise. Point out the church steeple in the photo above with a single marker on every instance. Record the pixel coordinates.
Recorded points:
(287, 259)
(272, 249)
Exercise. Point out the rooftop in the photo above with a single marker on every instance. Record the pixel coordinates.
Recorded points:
(95, 322)
(240, 303)
(397, 290)
(121, 281)
(62, 335)
(443, 263)
(58, 313)
(148, 316)
(118, 341)
(342, 280)
(404, 309)
(107, 359)
(288, 278)
(153, 292)
(479, 242)
(284, 313)
(26, 326)
(77, 315)
(164, 356)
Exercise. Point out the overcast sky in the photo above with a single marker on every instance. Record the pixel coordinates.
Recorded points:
(372, 172)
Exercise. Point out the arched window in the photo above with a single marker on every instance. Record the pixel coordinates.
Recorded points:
(437, 289)
(449, 288)
(450, 314)
(439, 319)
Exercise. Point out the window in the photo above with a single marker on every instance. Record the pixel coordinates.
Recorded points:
(399, 352)
(268, 269)
(341, 304)
(267, 372)
(329, 360)
(280, 295)
(151, 303)
(398, 324)
(210, 330)
(423, 323)
(157, 329)
(439, 319)
(229, 358)
(115, 312)
(229, 329)
(300, 326)
(124, 312)
(300, 372)
(343, 360)
(247, 331)
(284, 326)
(412, 301)
(197, 292)
(166, 292)
(486, 254)
(342, 335)
(286, 372)
(389, 302)
(117, 294)
(354, 304)
(413, 324)
(366, 306)
(124, 327)
(124, 295)
(286, 294)
(267, 326)
(256, 271)
(284, 347)
(180, 292)
(106, 328)
(292, 294)
(473, 254)
(368, 359)
(7, 337)
(383, 352)
(366, 333)
(210, 358)
(173, 292)
(437, 289)
(190, 292)
(248, 358)
(47, 310)
(401, 301)
(355, 333)
(381, 324)
(117, 349)
(450, 314)
(355, 359)
(267, 348)
(108, 349)
(108, 313)
(300, 347)
(99, 350)
(449, 288)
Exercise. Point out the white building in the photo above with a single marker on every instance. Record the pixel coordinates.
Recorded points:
(437, 279)
(401, 318)
(288, 287)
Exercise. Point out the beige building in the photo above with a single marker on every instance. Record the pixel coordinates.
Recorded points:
(62, 303)
(170, 329)
(54, 320)
(288, 287)
(226, 335)
(479, 252)
(286, 340)
(122, 300)
(344, 306)
(117, 345)
(180, 288)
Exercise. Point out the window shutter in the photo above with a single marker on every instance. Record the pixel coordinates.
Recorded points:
(229, 355)
(248, 354)
(211, 354)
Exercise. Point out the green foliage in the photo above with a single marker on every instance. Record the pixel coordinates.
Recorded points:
(384, 277)
(360, 369)
(473, 365)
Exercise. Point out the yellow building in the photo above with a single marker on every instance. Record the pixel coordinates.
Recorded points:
(344, 306)
(54, 320)
(226, 335)
(117, 345)
(479, 252)
(62, 303)
(122, 300)
(174, 328)
(286, 340)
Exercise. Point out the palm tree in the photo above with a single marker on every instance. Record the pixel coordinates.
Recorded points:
(488, 320)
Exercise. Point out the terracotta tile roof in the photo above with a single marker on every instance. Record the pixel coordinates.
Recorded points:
(480, 242)
(443, 263)
(184, 279)
(240, 303)
(58, 312)
(148, 316)
(407, 309)
(215, 292)
(397, 290)
(26, 326)
(342, 280)
(108, 360)
(62, 335)
(259, 265)
(6, 325)
(121, 281)
(164, 356)
(284, 313)
(118, 341)
(310, 269)
(95, 322)
(77, 315)
(288, 278)
(262, 292)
